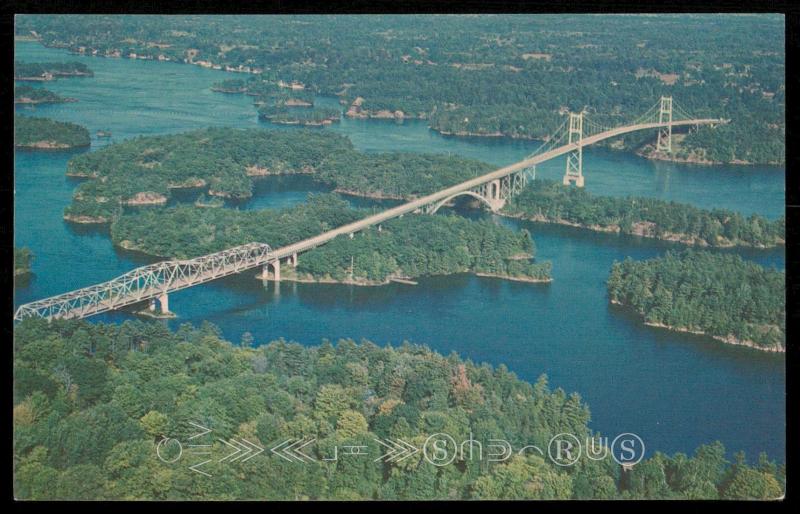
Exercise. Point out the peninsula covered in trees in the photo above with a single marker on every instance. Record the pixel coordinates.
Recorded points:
(720, 295)
(508, 75)
(46, 134)
(549, 201)
(401, 249)
(92, 401)
(37, 95)
(50, 71)
(224, 162)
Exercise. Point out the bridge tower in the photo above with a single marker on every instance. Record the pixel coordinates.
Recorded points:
(664, 142)
(574, 171)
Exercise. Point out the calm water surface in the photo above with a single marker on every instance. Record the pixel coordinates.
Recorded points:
(676, 391)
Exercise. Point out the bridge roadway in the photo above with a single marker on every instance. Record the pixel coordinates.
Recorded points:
(413, 205)
(157, 280)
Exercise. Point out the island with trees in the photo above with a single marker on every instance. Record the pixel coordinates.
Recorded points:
(33, 133)
(23, 258)
(223, 162)
(42, 72)
(92, 402)
(700, 292)
(551, 202)
(404, 248)
(280, 103)
(28, 95)
(506, 75)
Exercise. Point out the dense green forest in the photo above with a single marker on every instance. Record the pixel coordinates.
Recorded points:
(411, 246)
(185, 231)
(546, 200)
(23, 257)
(225, 161)
(47, 134)
(717, 294)
(414, 246)
(514, 75)
(92, 401)
(398, 175)
(49, 70)
(37, 95)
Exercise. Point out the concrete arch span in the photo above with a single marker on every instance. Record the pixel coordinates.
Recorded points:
(473, 194)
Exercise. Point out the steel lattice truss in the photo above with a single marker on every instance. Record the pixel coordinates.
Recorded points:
(147, 282)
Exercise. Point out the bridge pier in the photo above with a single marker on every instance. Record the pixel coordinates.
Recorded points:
(294, 260)
(163, 300)
(495, 193)
(569, 179)
(276, 266)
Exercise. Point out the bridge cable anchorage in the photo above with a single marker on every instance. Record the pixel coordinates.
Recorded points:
(493, 188)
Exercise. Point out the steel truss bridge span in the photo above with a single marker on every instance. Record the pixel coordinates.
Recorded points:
(147, 283)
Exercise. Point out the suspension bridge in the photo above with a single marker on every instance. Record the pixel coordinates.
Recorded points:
(154, 282)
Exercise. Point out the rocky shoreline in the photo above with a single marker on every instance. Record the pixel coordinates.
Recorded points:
(373, 196)
(291, 276)
(48, 145)
(146, 198)
(514, 278)
(730, 339)
(641, 229)
(86, 220)
(304, 123)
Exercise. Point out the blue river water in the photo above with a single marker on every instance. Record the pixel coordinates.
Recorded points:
(676, 391)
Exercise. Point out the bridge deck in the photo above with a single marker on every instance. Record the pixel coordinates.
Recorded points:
(413, 205)
(152, 281)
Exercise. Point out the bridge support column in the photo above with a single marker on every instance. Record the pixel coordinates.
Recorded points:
(276, 270)
(664, 141)
(294, 260)
(163, 301)
(497, 192)
(574, 171)
(517, 183)
(152, 306)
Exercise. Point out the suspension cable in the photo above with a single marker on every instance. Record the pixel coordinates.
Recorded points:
(550, 141)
